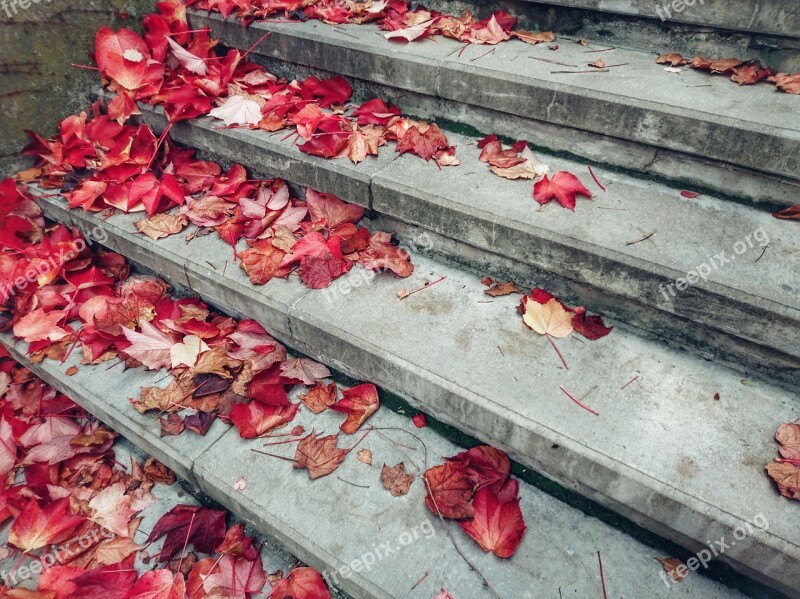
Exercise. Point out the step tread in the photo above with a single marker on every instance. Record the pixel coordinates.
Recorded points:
(471, 204)
(329, 523)
(663, 451)
(764, 16)
(751, 126)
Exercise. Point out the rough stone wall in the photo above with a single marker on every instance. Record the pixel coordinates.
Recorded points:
(38, 41)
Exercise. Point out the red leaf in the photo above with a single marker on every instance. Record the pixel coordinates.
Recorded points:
(486, 466)
(790, 213)
(36, 527)
(591, 327)
(359, 403)
(498, 525)
(449, 489)
(330, 210)
(423, 145)
(419, 421)
(203, 527)
(564, 187)
(318, 272)
(256, 419)
(302, 583)
(690, 195)
(109, 582)
(158, 584)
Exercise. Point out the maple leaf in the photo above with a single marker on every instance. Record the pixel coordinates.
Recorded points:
(788, 436)
(109, 582)
(498, 525)
(186, 352)
(564, 187)
(203, 527)
(256, 419)
(302, 583)
(533, 37)
(787, 476)
(448, 491)
(162, 225)
(193, 64)
(318, 272)
(396, 480)
(151, 347)
(750, 73)
(39, 325)
(305, 370)
(791, 213)
(320, 397)
(8, 448)
(375, 112)
(489, 31)
(671, 565)
(673, 59)
(263, 261)
(124, 57)
(498, 288)
(382, 254)
(359, 402)
(550, 318)
(319, 455)
(788, 83)
(485, 466)
(238, 110)
(171, 425)
(158, 584)
(37, 527)
(236, 578)
(200, 422)
(424, 145)
(111, 508)
(411, 33)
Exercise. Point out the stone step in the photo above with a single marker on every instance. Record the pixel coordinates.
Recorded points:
(692, 128)
(663, 451)
(749, 306)
(366, 542)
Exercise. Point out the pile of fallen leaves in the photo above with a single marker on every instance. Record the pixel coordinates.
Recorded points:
(743, 72)
(474, 488)
(182, 72)
(98, 164)
(74, 510)
(519, 162)
(785, 471)
(397, 17)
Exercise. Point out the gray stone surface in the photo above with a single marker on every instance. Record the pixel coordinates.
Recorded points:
(751, 127)
(776, 17)
(105, 393)
(662, 452)
(330, 522)
(753, 296)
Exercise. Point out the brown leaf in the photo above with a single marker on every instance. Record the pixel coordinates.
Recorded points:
(319, 456)
(162, 225)
(598, 64)
(532, 37)
(671, 565)
(71, 371)
(396, 479)
(449, 491)
(673, 59)
(788, 83)
(171, 425)
(320, 397)
(158, 472)
(788, 436)
(365, 456)
(498, 289)
(787, 476)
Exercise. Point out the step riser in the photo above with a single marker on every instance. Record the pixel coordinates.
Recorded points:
(625, 489)
(768, 30)
(709, 305)
(544, 112)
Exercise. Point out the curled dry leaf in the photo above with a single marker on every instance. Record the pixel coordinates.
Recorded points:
(790, 213)
(672, 59)
(240, 485)
(396, 480)
(359, 403)
(320, 397)
(532, 37)
(671, 565)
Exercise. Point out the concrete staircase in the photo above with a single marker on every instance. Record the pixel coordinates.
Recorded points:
(680, 451)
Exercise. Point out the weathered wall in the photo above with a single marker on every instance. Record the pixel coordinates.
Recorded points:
(38, 87)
